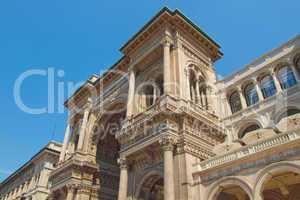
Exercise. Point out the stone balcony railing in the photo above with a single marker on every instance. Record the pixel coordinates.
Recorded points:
(166, 104)
(243, 152)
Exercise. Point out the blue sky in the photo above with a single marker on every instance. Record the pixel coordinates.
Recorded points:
(83, 37)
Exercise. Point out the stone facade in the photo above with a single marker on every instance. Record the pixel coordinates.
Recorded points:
(31, 181)
(159, 125)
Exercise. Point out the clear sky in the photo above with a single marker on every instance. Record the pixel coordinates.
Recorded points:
(83, 37)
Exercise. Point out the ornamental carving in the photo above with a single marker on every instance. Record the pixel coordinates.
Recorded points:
(167, 142)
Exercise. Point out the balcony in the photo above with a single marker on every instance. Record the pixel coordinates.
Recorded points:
(247, 151)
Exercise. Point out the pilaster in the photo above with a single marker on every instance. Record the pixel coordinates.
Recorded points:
(123, 179)
(167, 143)
(167, 67)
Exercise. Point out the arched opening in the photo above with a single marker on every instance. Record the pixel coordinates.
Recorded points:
(251, 94)
(149, 92)
(107, 150)
(197, 86)
(281, 186)
(297, 63)
(159, 85)
(193, 80)
(235, 102)
(152, 189)
(286, 77)
(230, 188)
(249, 128)
(74, 135)
(289, 112)
(231, 192)
(287, 119)
(268, 87)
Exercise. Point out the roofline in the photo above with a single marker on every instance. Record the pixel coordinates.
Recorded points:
(45, 148)
(172, 13)
(164, 9)
(78, 90)
(177, 11)
(256, 60)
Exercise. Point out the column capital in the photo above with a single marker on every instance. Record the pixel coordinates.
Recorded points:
(123, 163)
(131, 68)
(71, 187)
(89, 102)
(254, 80)
(166, 42)
(239, 89)
(167, 142)
(272, 71)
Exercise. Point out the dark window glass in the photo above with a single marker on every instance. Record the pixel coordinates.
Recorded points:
(251, 94)
(235, 102)
(286, 77)
(267, 86)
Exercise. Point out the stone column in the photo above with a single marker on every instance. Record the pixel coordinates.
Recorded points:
(203, 99)
(276, 82)
(258, 91)
(66, 141)
(123, 179)
(296, 73)
(83, 193)
(180, 66)
(70, 192)
(242, 98)
(188, 86)
(155, 94)
(167, 71)
(167, 144)
(197, 92)
(131, 93)
(209, 93)
(83, 126)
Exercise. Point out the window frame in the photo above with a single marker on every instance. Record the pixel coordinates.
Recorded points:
(233, 106)
(267, 87)
(287, 78)
(251, 95)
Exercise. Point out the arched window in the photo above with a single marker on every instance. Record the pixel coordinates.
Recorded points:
(251, 94)
(286, 77)
(267, 86)
(235, 102)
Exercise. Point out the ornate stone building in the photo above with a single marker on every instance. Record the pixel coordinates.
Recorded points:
(159, 125)
(30, 182)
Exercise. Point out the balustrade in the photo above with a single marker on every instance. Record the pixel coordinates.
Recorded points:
(248, 150)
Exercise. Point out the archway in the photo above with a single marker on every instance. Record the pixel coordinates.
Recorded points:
(248, 128)
(230, 188)
(280, 181)
(107, 150)
(232, 192)
(152, 188)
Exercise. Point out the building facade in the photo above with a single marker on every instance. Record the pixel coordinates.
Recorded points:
(159, 125)
(31, 181)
